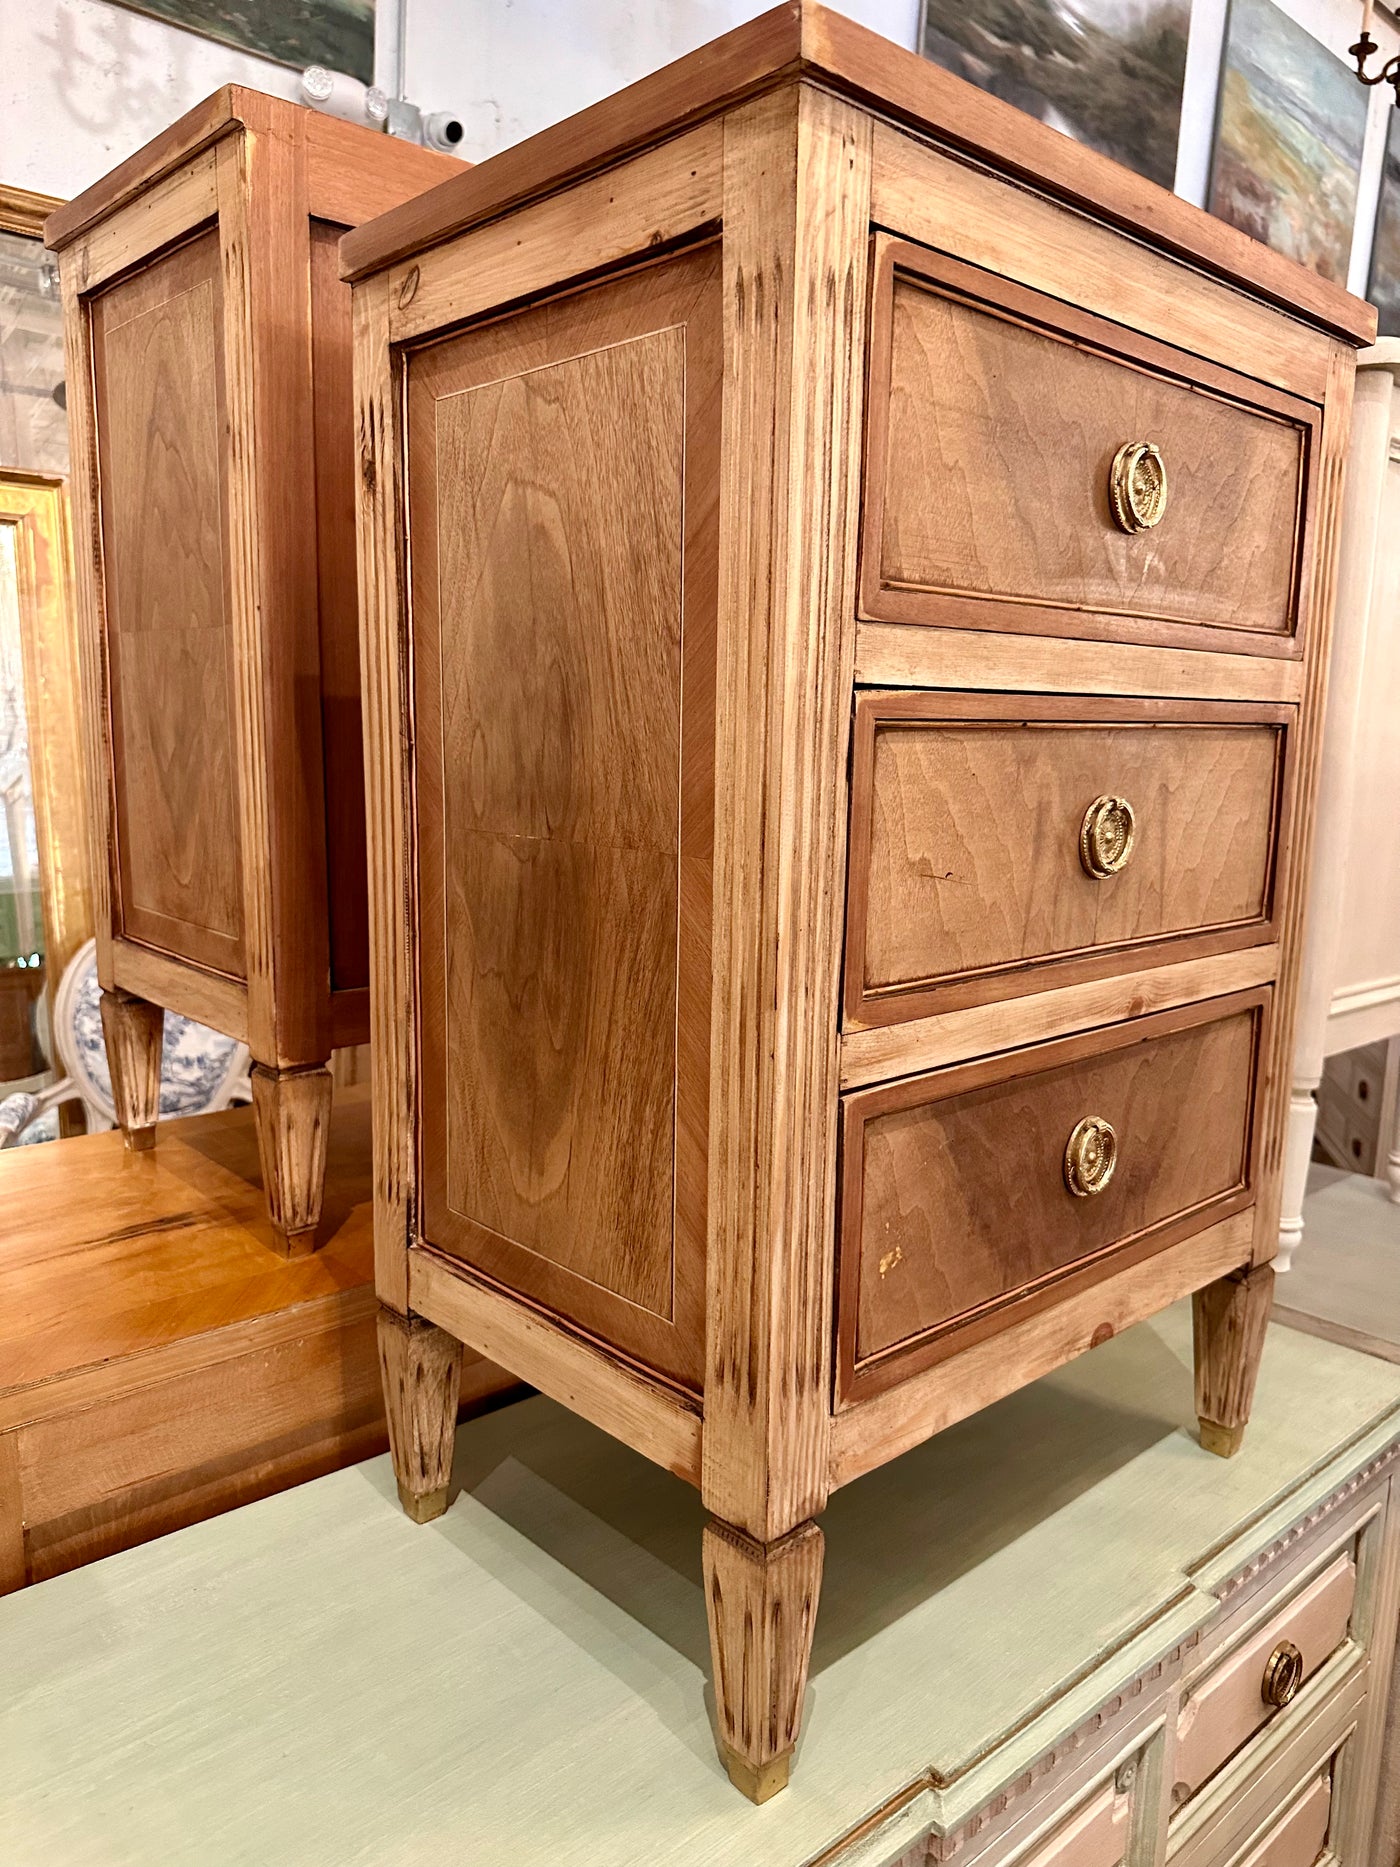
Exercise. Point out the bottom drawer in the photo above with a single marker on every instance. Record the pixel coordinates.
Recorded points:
(971, 1190)
(1299, 1835)
(1095, 1835)
(1259, 1678)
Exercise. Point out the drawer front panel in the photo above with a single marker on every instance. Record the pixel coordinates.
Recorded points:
(1229, 1706)
(996, 416)
(1298, 1836)
(1095, 1835)
(970, 816)
(956, 1206)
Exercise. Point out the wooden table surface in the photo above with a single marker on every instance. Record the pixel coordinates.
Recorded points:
(106, 1253)
(311, 1681)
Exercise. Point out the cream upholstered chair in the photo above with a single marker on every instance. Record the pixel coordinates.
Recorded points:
(201, 1070)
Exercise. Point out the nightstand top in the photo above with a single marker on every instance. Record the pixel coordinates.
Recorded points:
(804, 41)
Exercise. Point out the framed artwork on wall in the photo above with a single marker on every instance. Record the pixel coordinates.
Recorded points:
(1383, 289)
(1107, 72)
(1289, 131)
(338, 33)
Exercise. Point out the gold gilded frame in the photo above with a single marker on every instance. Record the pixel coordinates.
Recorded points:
(24, 211)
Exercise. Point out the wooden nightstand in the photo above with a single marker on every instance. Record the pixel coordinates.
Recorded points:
(209, 398)
(846, 579)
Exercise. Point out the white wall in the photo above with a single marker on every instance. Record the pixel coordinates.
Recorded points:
(510, 69)
(83, 83)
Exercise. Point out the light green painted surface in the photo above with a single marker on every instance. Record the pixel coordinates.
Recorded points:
(314, 1682)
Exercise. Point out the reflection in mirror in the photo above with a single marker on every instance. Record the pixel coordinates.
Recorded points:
(45, 889)
(21, 913)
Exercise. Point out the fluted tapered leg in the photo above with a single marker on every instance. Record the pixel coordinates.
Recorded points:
(292, 1110)
(421, 1367)
(1231, 1317)
(762, 1604)
(133, 1030)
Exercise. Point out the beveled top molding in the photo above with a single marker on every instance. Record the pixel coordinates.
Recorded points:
(24, 211)
(802, 40)
(234, 108)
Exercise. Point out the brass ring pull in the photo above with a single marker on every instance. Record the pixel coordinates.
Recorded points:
(1091, 1154)
(1283, 1674)
(1137, 486)
(1106, 836)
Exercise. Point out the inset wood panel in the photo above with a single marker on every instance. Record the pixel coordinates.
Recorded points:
(995, 416)
(342, 738)
(966, 817)
(955, 1206)
(562, 488)
(156, 344)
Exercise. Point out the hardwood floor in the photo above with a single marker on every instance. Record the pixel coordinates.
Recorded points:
(160, 1361)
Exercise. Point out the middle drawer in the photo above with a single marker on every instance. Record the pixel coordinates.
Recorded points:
(1004, 843)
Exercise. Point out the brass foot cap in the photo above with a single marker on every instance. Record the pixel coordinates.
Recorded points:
(1223, 1441)
(758, 1781)
(423, 1506)
(139, 1140)
(297, 1244)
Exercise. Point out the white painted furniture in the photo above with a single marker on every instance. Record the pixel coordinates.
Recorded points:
(1035, 1627)
(1350, 992)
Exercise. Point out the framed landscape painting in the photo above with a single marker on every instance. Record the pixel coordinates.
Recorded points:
(1107, 72)
(1384, 287)
(1289, 130)
(338, 33)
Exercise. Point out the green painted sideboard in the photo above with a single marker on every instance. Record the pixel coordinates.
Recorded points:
(1043, 1643)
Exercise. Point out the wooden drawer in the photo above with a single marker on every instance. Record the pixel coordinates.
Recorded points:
(956, 1204)
(1300, 1833)
(969, 872)
(1095, 1835)
(994, 418)
(1229, 1707)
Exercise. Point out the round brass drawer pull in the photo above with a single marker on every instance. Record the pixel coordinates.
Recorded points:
(1137, 486)
(1091, 1154)
(1283, 1674)
(1106, 836)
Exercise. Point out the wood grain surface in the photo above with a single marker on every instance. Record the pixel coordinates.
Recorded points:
(562, 491)
(796, 248)
(995, 414)
(965, 827)
(157, 356)
(954, 1193)
(160, 1361)
(342, 740)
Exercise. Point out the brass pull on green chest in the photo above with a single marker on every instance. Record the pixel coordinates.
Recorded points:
(1283, 1674)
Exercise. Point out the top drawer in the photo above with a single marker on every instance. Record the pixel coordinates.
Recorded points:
(997, 419)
